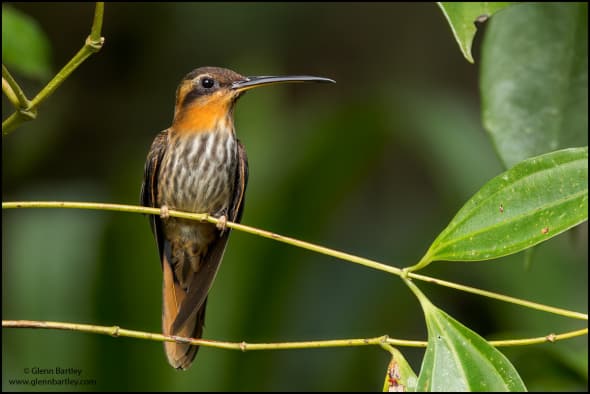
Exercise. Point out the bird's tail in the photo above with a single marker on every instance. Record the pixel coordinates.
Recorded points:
(179, 355)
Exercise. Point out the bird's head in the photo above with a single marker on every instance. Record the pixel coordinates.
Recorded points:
(206, 96)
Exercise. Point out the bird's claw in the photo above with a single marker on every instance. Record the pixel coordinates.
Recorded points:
(164, 212)
(222, 223)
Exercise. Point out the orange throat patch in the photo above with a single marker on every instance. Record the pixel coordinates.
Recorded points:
(204, 115)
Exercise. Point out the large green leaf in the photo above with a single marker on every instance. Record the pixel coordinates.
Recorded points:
(462, 18)
(534, 79)
(457, 359)
(24, 44)
(528, 204)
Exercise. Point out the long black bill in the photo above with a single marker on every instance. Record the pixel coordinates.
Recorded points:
(253, 82)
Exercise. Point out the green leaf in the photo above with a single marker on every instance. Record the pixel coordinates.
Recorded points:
(528, 204)
(462, 18)
(24, 45)
(534, 79)
(457, 359)
(400, 377)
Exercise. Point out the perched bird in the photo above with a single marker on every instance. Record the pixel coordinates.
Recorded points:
(197, 165)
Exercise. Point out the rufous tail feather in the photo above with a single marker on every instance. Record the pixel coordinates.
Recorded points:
(179, 355)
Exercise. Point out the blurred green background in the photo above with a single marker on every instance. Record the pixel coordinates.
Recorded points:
(375, 165)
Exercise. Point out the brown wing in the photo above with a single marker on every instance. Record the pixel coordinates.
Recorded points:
(179, 355)
(237, 206)
(203, 279)
(149, 187)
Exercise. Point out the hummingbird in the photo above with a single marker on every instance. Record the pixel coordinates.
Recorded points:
(198, 165)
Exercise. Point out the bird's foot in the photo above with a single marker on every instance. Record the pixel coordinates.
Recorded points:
(222, 223)
(164, 212)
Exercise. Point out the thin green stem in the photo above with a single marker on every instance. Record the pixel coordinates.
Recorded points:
(384, 341)
(551, 338)
(500, 297)
(319, 249)
(388, 348)
(96, 28)
(116, 331)
(13, 121)
(17, 97)
(9, 93)
(92, 44)
(22, 102)
(295, 242)
(424, 301)
(205, 217)
(99, 207)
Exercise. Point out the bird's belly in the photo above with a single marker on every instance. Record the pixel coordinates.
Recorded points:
(198, 173)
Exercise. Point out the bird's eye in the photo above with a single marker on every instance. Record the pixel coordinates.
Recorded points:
(207, 82)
